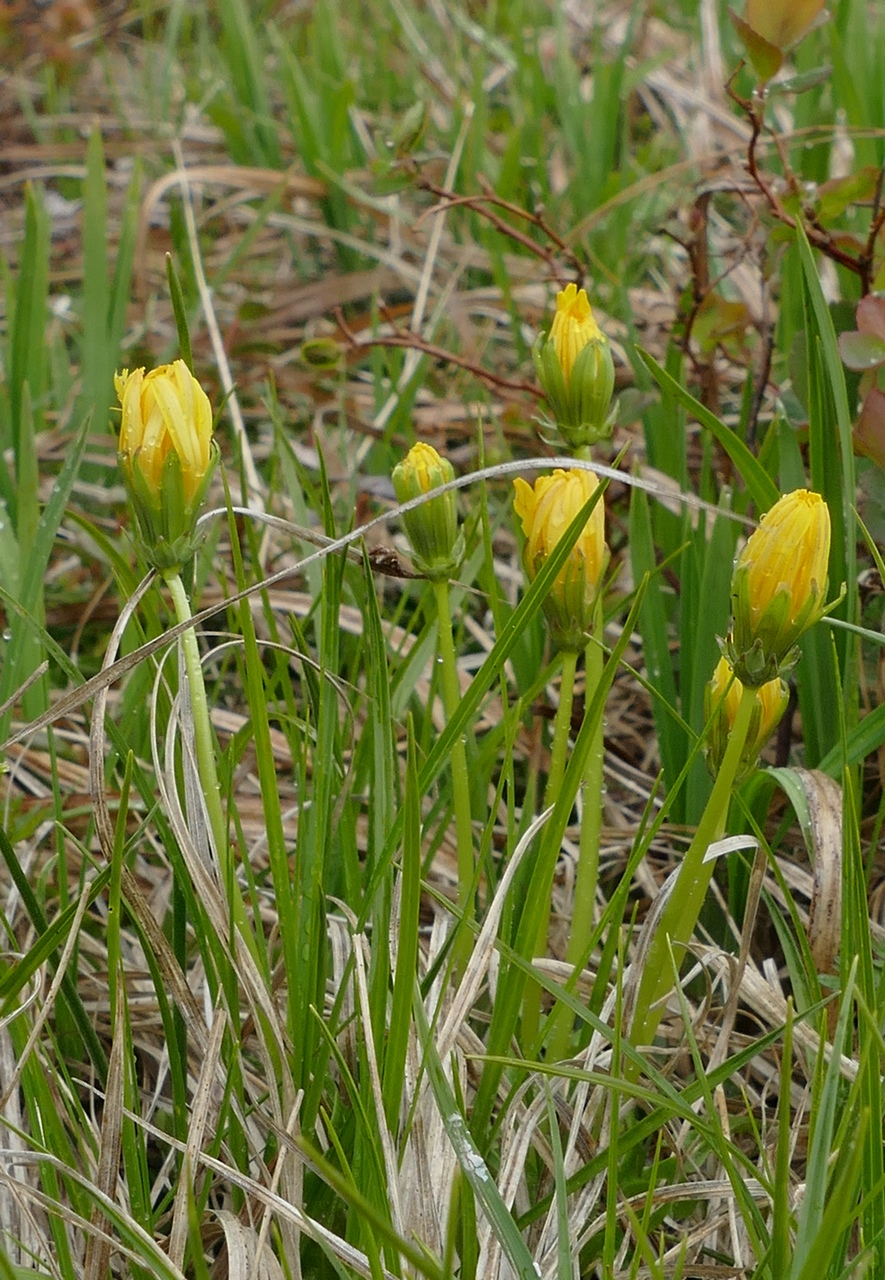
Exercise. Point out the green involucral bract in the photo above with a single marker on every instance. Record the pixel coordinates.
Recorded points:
(432, 528)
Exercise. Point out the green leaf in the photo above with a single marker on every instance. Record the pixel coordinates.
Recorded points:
(762, 490)
(28, 312)
(821, 1143)
(179, 310)
(653, 625)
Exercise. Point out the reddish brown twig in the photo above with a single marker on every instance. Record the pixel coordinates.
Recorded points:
(817, 235)
(405, 338)
(876, 223)
(479, 204)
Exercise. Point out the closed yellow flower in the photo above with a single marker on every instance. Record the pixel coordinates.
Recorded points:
(779, 584)
(166, 455)
(432, 528)
(165, 410)
(546, 511)
(771, 702)
(573, 327)
(576, 371)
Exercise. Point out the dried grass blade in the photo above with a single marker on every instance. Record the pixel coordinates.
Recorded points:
(199, 1118)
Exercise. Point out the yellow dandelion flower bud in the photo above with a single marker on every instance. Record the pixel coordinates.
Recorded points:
(779, 586)
(166, 455)
(546, 511)
(771, 702)
(573, 327)
(576, 371)
(432, 528)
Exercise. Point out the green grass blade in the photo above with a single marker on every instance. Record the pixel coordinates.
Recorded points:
(832, 469)
(560, 1194)
(762, 490)
(781, 1217)
(179, 310)
(47, 949)
(243, 55)
(19, 653)
(473, 1167)
(98, 357)
(28, 309)
(857, 941)
(653, 625)
(824, 1110)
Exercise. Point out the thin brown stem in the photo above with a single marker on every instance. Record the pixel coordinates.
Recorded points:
(405, 338)
(877, 221)
(479, 204)
(817, 237)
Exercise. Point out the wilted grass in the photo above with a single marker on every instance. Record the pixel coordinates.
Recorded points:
(316, 1056)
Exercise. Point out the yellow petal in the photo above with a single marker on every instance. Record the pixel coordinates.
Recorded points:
(573, 327)
(791, 549)
(524, 503)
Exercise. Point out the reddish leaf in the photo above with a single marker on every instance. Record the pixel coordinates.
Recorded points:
(871, 315)
(868, 435)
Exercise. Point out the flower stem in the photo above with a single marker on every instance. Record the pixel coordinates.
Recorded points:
(460, 776)
(680, 914)
(562, 727)
(540, 903)
(591, 833)
(203, 742)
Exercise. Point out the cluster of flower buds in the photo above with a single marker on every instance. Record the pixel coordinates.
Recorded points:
(779, 584)
(778, 591)
(167, 456)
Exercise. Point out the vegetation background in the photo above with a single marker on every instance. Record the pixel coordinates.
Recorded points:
(369, 208)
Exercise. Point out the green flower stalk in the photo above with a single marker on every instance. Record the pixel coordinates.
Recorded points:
(572, 610)
(680, 913)
(204, 745)
(576, 371)
(438, 549)
(587, 875)
(778, 591)
(167, 456)
(779, 587)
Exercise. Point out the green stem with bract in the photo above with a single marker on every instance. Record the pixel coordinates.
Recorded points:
(561, 731)
(204, 750)
(680, 914)
(587, 876)
(460, 775)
